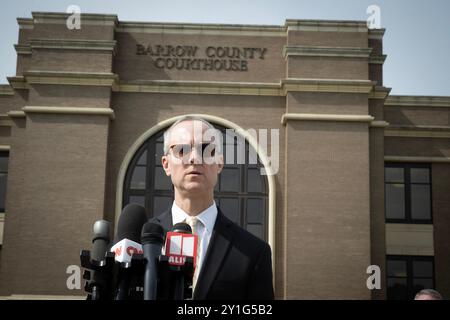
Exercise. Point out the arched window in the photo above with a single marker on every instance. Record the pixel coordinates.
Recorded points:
(241, 191)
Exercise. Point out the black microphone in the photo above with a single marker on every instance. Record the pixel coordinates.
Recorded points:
(152, 239)
(179, 277)
(182, 227)
(100, 240)
(130, 225)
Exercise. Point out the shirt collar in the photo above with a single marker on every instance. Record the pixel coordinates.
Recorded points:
(207, 216)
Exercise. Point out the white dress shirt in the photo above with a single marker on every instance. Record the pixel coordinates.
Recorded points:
(207, 219)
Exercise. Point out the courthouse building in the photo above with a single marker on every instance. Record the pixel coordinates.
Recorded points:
(363, 177)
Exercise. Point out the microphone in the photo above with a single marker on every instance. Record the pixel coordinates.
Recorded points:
(97, 276)
(152, 238)
(128, 234)
(181, 245)
(100, 240)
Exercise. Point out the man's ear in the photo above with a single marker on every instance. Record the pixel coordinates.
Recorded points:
(165, 164)
(220, 164)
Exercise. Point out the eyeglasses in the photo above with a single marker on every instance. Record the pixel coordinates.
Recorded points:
(180, 151)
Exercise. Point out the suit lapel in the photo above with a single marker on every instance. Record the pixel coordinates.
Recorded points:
(165, 220)
(220, 242)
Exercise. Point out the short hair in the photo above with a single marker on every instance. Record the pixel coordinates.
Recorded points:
(429, 292)
(191, 118)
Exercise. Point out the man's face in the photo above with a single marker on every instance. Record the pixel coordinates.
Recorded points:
(190, 161)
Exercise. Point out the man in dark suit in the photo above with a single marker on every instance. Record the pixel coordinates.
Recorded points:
(231, 262)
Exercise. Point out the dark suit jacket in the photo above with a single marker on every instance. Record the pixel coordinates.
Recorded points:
(237, 264)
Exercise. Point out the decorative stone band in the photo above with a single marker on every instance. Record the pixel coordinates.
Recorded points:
(379, 92)
(416, 159)
(327, 85)
(417, 101)
(23, 49)
(16, 114)
(342, 52)
(196, 87)
(325, 117)
(70, 110)
(65, 44)
(70, 78)
(6, 90)
(201, 87)
(379, 124)
(418, 131)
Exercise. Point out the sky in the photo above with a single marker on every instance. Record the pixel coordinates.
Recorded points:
(416, 42)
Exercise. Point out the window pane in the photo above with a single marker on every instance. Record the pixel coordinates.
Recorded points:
(230, 207)
(162, 181)
(255, 229)
(395, 201)
(159, 152)
(420, 175)
(3, 178)
(143, 159)
(422, 269)
(394, 174)
(138, 178)
(419, 284)
(229, 180)
(140, 200)
(160, 205)
(396, 268)
(254, 183)
(4, 163)
(254, 210)
(397, 289)
(420, 201)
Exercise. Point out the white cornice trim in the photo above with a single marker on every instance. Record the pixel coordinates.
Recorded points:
(5, 148)
(377, 59)
(16, 114)
(25, 23)
(376, 33)
(379, 124)
(326, 25)
(70, 110)
(86, 18)
(205, 29)
(325, 117)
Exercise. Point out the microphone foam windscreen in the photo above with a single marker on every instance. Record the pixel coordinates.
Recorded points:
(152, 233)
(131, 221)
(182, 227)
